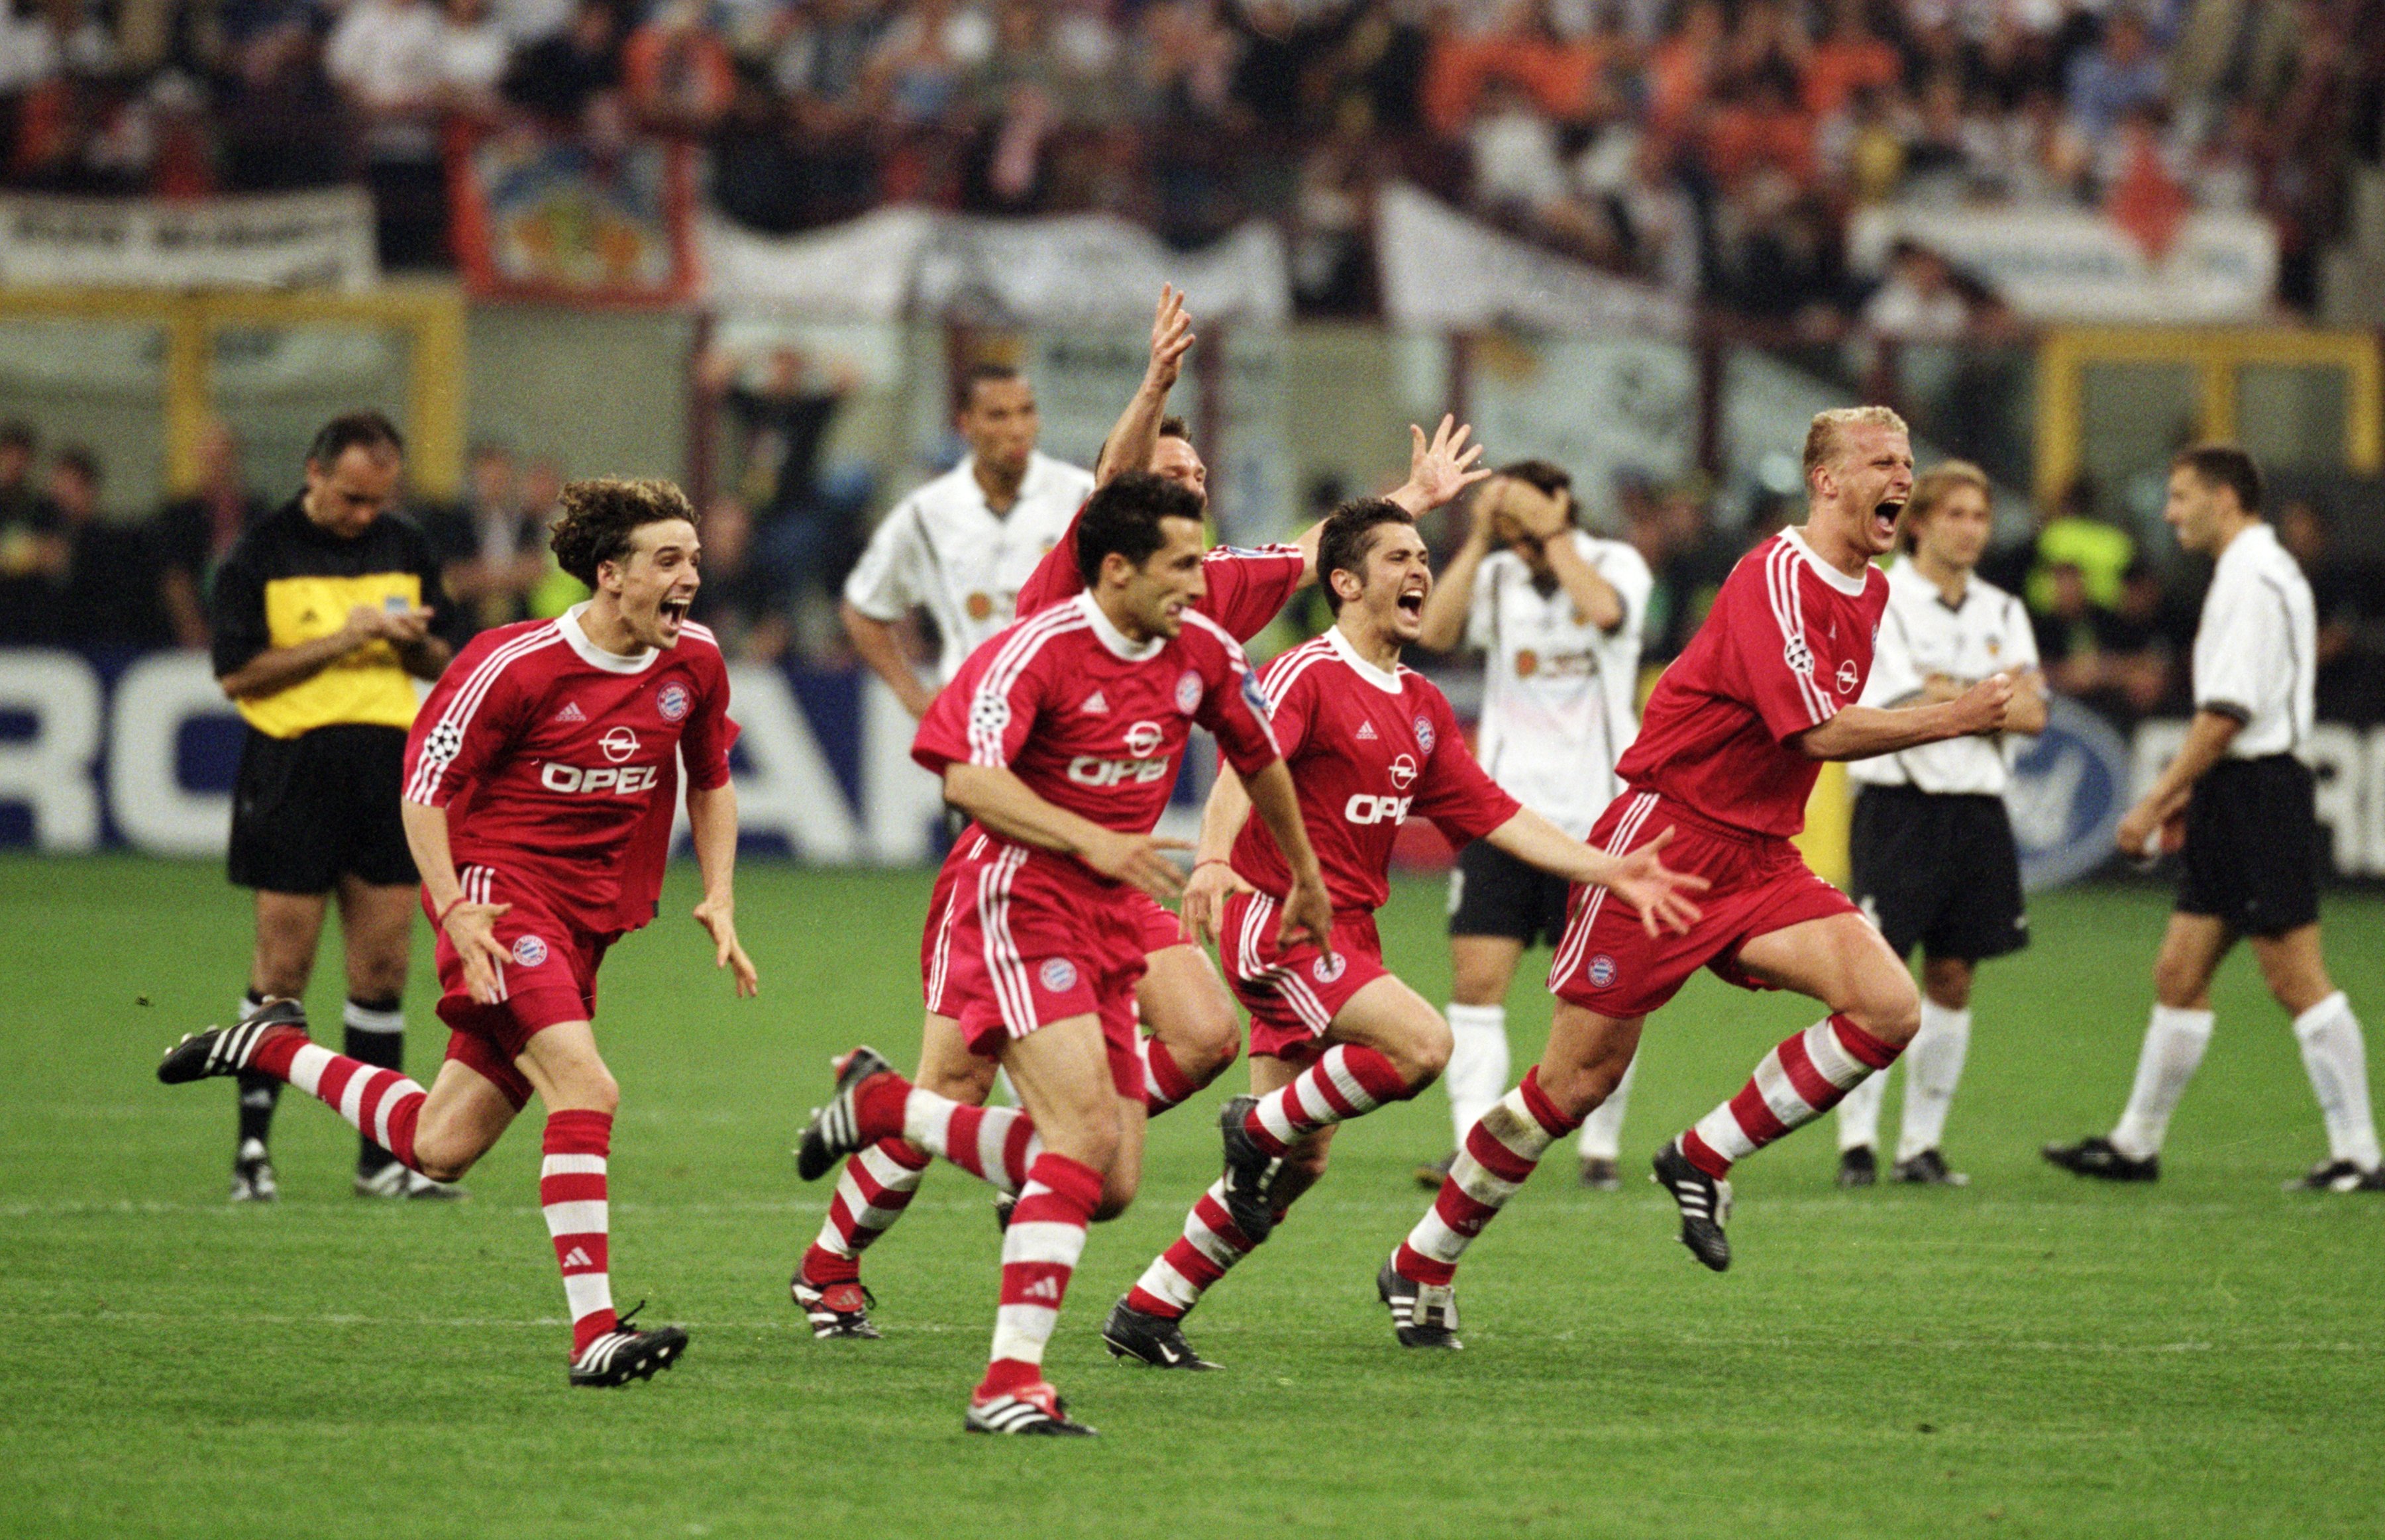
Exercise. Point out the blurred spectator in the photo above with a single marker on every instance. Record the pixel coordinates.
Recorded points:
(2078, 537)
(2120, 660)
(576, 72)
(2350, 597)
(1919, 301)
(106, 597)
(387, 57)
(493, 543)
(2115, 77)
(782, 406)
(677, 72)
(472, 53)
(743, 600)
(1698, 556)
(193, 533)
(33, 552)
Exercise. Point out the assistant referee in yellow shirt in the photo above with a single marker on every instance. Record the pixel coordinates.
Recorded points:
(324, 614)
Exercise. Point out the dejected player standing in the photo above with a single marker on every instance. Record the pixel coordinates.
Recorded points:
(1335, 1034)
(1061, 738)
(540, 779)
(1728, 752)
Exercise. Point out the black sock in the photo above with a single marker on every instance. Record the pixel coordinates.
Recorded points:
(374, 1034)
(259, 1093)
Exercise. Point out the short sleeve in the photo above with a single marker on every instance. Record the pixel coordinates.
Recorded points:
(885, 582)
(1234, 708)
(1894, 676)
(1772, 644)
(710, 733)
(1482, 606)
(974, 721)
(470, 717)
(1454, 791)
(1249, 588)
(1627, 572)
(2020, 634)
(236, 611)
(2241, 647)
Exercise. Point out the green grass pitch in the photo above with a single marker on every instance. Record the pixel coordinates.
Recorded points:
(2032, 1356)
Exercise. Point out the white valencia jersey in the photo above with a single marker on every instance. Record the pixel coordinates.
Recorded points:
(1921, 635)
(1559, 696)
(2257, 646)
(943, 550)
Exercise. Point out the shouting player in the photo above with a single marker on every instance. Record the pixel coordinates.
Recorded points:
(1334, 1034)
(1190, 1030)
(1728, 752)
(538, 801)
(1061, 739)
(1557, 613)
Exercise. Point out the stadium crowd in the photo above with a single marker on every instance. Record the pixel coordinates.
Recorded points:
(1710, 147)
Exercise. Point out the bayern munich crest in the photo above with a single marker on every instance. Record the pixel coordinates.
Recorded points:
(672, 701)
(1602, 971)
(1423, 725)
(1326, 969)
(529, 951)
(1059, 975)
(1188, 691)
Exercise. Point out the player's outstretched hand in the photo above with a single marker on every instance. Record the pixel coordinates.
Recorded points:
(719, 918)
(1658, 892)
(1204, 898)
(1981, 708)
(1441, 467)
(1139, 858)
(472, 930)
(1171, 339)
(1308, 914)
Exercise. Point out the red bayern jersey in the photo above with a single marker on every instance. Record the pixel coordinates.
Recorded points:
(1093, 722)
(556, 761)
(1366, 749)
(1787, 644)
(1247, 587)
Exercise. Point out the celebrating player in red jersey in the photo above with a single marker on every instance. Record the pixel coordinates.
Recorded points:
(1061, 738)
(538, 789)
(1728, 750)
(1190, 1030)
(1335, 1034)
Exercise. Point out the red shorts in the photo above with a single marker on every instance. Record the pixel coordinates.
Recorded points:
(550, 977)
(1019, 939)
(1608, 963)
(1294, 994)
(1160, 927)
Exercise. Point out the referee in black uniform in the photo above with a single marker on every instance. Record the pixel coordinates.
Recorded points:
(2250, 839)
(324, 614)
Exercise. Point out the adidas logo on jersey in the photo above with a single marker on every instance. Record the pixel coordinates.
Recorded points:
(1366, 732)
(571, 712)
(579, 1258)
(1094, 705)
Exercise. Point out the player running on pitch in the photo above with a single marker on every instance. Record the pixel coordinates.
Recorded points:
(538, 801)
(1190, 1031)
(1335, 1034)
(1728, 752)
(1061, 738)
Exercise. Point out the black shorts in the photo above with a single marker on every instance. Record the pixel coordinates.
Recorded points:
(2252, 852)
(1492, 893)
(308, 809)
(1939, 872)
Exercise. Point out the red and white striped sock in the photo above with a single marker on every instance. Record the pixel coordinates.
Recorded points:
(995, 1144)
(381, 1104)
(872, 1194)
(1499, 1153)
(1164, 1081)
(571, 1191)
(1209, 1247)
(1796, 1082)
(1349, 1081)
(1039, 1253)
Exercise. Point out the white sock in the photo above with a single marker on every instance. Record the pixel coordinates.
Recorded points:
(2338, 1064)
(1477, 1077)
(1601, 1132)
(1933, 1066)
(1859, 1112)
(2174, 1044)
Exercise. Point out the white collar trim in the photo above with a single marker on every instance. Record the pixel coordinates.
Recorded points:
(1830, 573)
(611, 662)
(1113, 640)
(1388, 683)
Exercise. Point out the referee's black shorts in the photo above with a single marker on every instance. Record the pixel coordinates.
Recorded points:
(308, 809)
(1938, 871)
(1492, 893)
(2252, 851)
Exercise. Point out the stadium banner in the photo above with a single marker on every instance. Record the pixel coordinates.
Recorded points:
(544, 217)
(1087, 269)
(1443, 270)
(319, 240)
(2071, 265)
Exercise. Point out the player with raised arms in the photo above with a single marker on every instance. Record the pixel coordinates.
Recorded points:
(1061, 738)
(1190, 1030)
(540, 779)
(1728, 750)
(1335, 1034)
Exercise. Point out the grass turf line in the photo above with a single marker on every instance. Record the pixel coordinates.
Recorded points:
(2031, 1355)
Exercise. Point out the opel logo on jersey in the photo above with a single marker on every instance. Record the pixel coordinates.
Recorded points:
(1188, 691)
(1848, 677)
(1404, 772)
(1423, 725)
(618, 743)
(1142, 738)
(529, 951)
(672, 701)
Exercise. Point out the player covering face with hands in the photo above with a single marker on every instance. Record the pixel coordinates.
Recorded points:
(540, 783)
